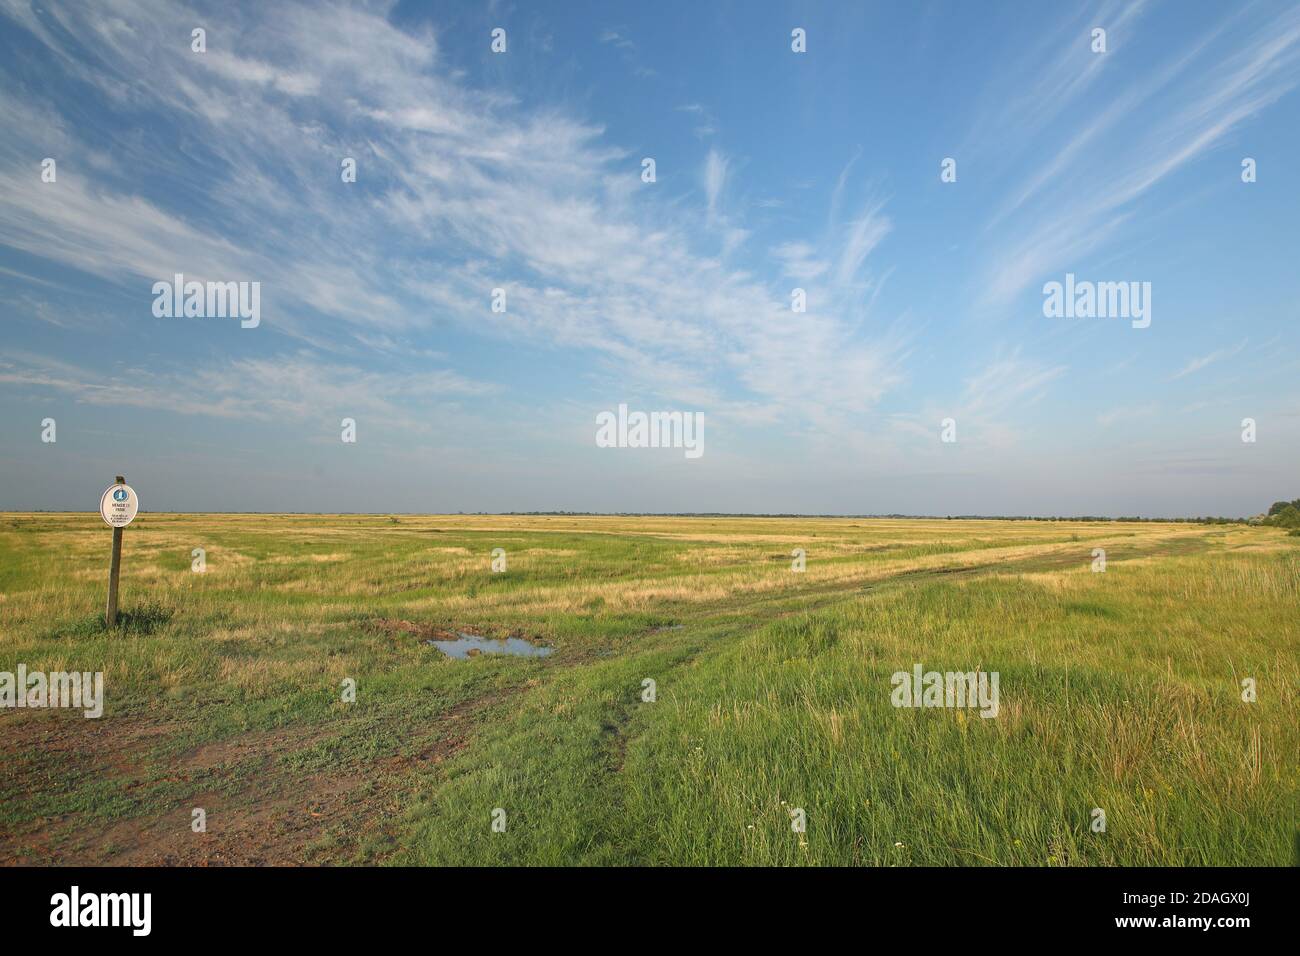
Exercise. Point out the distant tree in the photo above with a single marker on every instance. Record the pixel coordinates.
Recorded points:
(1288, 517)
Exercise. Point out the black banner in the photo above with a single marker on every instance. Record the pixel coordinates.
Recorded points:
(337, 905)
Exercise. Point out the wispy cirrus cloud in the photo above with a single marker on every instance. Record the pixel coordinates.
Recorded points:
(1200, 362)
(1085, 192)
(715, 180)
(294, 387)
(539, 203)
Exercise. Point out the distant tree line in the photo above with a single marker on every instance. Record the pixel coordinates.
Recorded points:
(1283, 514)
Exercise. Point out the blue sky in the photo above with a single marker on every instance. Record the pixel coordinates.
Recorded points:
(774, 170)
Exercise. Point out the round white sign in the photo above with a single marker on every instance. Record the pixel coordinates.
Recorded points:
(118, 505)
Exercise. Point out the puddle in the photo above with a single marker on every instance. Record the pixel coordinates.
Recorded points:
(468, 645)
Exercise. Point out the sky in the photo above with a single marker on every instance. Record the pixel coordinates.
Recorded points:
(775, 170)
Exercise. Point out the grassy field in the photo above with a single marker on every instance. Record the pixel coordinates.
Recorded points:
(1119, 691)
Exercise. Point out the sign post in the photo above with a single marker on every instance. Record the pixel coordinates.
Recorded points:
(117, 506)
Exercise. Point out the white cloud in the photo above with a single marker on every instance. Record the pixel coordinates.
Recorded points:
(1196, 364)
(715, 179)
(289, 388)
(458, 192)
(1080, 197)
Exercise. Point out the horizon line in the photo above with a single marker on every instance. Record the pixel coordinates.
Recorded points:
(672, 514)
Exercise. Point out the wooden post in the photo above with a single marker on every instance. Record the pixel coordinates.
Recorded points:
(115, 565)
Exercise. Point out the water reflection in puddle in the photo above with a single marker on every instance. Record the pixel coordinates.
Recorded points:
(468, 645)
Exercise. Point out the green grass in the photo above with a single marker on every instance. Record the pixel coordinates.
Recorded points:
(1119, 691)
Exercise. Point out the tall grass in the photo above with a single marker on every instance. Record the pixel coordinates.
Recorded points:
(1119, 692)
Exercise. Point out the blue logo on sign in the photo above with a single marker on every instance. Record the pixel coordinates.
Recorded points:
(119, 495)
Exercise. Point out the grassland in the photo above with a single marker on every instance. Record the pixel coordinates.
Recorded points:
(1119, 690)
